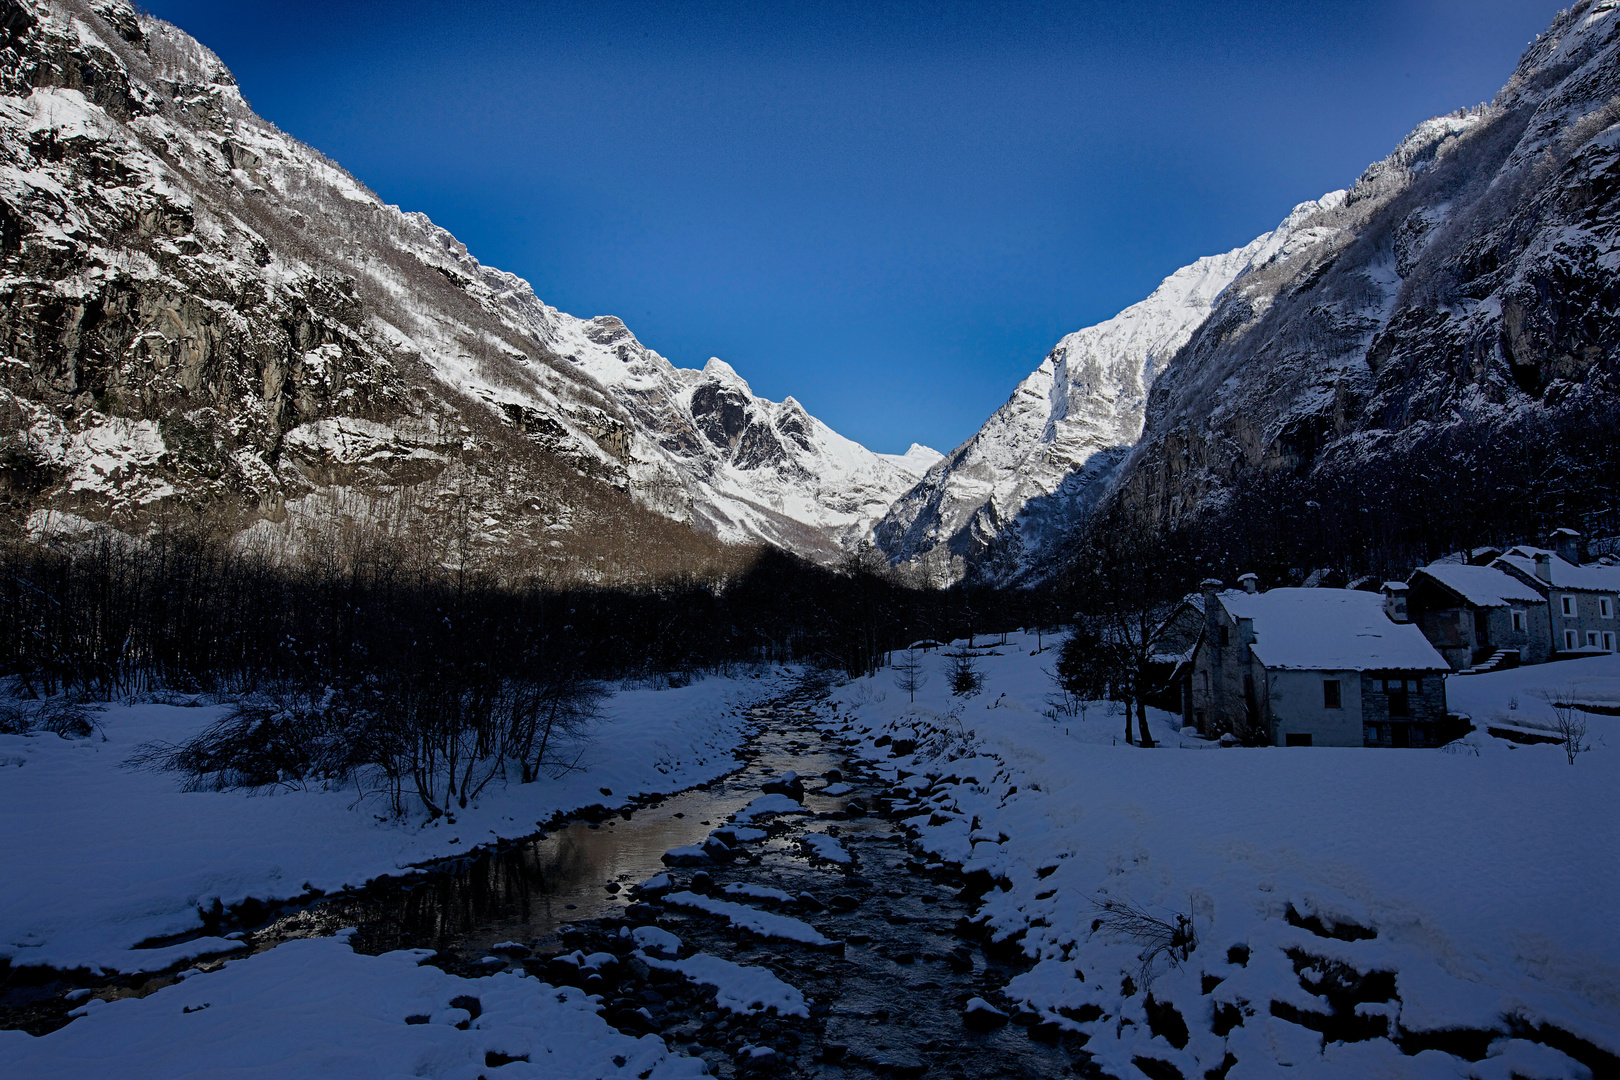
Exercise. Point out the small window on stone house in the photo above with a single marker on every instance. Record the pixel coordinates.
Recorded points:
(1330, 694)
(1400, 702)
(1568, 605)
(1605, 607)
(1225, 636)
(1569, 639)
(1518, 622)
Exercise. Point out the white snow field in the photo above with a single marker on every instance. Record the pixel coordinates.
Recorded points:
(314, 1008)
(101, 857)
(1359, 892)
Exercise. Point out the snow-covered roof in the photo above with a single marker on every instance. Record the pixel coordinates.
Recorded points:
(1482, 586)
(1565, 575)
(1330, 630)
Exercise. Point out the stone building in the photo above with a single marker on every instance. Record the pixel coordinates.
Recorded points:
(1582, 602)
(1316, 667)
(1479, 617)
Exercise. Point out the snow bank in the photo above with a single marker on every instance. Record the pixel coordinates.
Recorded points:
(104, 858)
(313, 1008)
(1484, 877)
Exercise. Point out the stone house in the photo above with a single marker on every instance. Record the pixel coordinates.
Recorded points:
(1479, 617)
(1582, 602)
(1315, 667)
(1168, 678)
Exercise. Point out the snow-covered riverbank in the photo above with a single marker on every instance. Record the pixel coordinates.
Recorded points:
(1485, 878)
(315, 1008)
(103, 858)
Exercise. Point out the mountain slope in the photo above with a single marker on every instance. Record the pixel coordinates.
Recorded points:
(1447, 362)
(996, 506)
(200, 310)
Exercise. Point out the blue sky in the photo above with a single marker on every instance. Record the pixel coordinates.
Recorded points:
(889, 211)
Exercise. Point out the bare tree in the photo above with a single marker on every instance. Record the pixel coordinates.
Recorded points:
(1569, 721)
(1128, 578)
(910, 676)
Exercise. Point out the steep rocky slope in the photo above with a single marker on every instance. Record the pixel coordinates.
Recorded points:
(1429, 353)
(201, 311)
(996, 507)
(1446, 357)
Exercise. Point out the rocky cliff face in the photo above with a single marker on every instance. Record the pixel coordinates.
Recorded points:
(1444, 348)
(1441, 336)
(996, 508)
(199, 310)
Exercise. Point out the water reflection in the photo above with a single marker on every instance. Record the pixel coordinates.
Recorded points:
(525, 891)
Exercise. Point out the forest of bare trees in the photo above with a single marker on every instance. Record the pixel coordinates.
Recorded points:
(368, 664)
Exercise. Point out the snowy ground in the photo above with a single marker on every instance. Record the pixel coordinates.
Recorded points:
(1485, 877)
(102, 858)
(314, 1008)
(1423, 913)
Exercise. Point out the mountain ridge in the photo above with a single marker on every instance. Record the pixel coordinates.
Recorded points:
(203, 310)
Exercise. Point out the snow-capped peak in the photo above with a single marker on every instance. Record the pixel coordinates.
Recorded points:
(720, 371)
(1045, 456)
(917, 459)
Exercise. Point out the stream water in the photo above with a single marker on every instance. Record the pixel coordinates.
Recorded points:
(887, 998)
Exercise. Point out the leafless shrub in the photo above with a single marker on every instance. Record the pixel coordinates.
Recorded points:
(286, 738)
(59, 715)
(1173, 937)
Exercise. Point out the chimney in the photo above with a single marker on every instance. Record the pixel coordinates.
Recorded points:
(1250, 583)
(1544, 566)
(1210, 587)
(1567, 543)
(1395, 601)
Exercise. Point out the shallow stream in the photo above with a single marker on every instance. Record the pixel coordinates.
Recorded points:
(886, 997)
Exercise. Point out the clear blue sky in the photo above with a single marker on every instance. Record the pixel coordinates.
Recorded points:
(889, 211)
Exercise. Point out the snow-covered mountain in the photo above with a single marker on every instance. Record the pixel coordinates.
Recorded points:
(995, 507)
(744, 467)
(1445, 363)
(1442, 333)
(200, 310)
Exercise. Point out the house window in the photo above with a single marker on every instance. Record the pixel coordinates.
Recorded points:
(1399, 696)
(1518, 622)
(1568, 604)
(1294, 738)
(1369, 735)
(1591, 639)
(1482, 627)
(1226, 636)
(1604, 608)
(1330, 694)
(1608, 641)
(1569, 639)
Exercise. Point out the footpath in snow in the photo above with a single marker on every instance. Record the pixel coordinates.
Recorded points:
(1355, 911)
